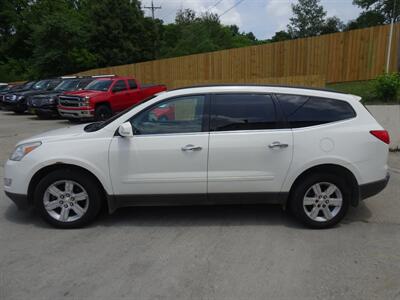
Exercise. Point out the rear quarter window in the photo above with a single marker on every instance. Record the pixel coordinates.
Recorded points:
(304, 111)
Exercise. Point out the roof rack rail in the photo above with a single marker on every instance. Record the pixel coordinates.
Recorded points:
(68, 77)
(100, 76)
(260, 85)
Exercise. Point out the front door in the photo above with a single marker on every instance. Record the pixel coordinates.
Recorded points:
(247, 153)
(167, 155)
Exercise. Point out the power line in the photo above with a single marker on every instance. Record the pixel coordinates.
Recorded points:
(215, 4)
(229, 9)
(153, 8)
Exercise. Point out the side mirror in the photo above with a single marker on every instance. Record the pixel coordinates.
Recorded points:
(125, 130)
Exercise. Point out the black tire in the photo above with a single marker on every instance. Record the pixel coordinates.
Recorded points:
(19, 111)
(43, 116)
(94, 202)
(102, 112)
(74, 121)
(304, 186)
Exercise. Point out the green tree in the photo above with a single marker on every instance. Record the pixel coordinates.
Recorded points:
(332, 25)
(366, 19)
(308, 19)
(60, 43)
(387, 8)
(117, 32)
(281, 36)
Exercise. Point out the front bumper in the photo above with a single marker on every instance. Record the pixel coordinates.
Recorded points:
(43, 110)
(20, 200)
(371, 189)
(85, 113)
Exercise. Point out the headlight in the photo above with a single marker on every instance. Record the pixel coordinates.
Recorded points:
(20, 97)
(51, 100)
(85, 101)
(22, 150)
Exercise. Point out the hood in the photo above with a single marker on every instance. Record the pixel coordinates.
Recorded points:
(27, 93)
(70, 132)
(47, 94)
(84, 93)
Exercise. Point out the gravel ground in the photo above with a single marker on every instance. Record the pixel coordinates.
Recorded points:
(235, 252)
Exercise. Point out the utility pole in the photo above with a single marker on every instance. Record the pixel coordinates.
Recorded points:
(389, 50)
(153, 8)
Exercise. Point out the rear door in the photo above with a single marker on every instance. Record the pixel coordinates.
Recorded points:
(248, 153)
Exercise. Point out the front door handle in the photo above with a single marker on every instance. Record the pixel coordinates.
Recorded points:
(277, 145)
(191, 147)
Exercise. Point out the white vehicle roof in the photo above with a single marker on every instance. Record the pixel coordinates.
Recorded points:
(264, 89)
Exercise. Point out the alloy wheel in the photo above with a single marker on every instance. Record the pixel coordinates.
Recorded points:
(66, 201)
(322, 201)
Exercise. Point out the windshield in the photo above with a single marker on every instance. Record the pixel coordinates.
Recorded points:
(99, 85)
(3, 87)
(99, 125)
(41, 85)
(27, 85)
(67, 85)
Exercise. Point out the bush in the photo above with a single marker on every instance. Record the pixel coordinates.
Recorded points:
(387, 87)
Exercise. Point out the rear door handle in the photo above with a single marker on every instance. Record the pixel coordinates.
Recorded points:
(277, 145)
(191, 147)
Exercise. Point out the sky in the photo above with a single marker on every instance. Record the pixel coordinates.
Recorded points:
(262, 17)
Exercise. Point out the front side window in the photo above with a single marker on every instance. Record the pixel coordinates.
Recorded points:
(119, 86)
(178, 115)
(303, 111)
(242, 112)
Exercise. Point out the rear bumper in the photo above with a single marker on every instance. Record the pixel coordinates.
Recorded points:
(370, 189)
(76, 113)
(20, 200)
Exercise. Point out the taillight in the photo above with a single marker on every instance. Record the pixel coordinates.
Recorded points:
(383, 135)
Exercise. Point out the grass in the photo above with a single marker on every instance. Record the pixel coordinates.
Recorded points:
(364, 89)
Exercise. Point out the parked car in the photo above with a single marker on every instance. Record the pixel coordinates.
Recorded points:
(13, 89)
(17, 101)
(104, 97)
(45, 104)
(316, 152)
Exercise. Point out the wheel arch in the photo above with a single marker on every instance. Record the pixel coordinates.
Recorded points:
(335, 169)
(57, 166)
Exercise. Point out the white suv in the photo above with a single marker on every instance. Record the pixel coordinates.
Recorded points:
(314, 151)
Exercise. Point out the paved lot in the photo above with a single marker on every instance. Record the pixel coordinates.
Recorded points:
(240, 252)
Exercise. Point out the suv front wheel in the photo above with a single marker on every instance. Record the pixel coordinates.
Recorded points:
(68, 198)
(320, 200)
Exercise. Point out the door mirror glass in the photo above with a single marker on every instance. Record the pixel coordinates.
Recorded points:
(125, 130)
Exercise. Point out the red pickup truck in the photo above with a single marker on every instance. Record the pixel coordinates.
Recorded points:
(104, 97)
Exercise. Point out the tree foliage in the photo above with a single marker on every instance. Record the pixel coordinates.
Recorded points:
(308, 19)
(387, 9)
(44, 38)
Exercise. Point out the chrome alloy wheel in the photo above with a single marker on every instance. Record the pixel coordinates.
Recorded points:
(66, 200)
(322, 201)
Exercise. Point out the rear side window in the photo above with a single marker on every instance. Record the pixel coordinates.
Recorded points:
(242, 112)
(303, 111)
(119, 86)
(132, 84)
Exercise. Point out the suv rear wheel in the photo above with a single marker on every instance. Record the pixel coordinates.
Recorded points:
(320, 200)
(68, 198)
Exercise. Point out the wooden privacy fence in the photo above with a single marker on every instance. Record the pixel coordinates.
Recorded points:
(346, 56)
